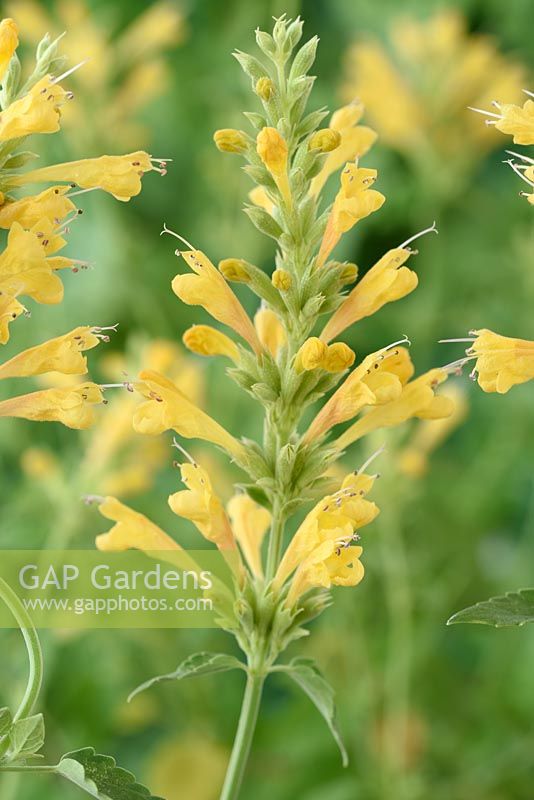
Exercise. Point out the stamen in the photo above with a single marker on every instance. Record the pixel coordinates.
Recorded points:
(432, 229)
(530, 94)
(457, 366)
(176, 443)
(486, 113)
(89, 499)
(70, 71)
(521, 156)
(517, 171)
(466, 339)
(181, 238)
(371, 459)
(82, 191)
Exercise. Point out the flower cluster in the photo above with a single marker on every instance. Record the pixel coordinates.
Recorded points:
(285, 358)
(36, 225)
(125, 71)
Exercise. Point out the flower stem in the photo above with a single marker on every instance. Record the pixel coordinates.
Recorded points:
(243, 738)
(33, 647)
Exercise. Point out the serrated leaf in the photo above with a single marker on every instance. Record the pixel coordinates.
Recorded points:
(512, 608)
(193, 666)
(6, 721)
(100, 776)
(26, 737)
(306, 673)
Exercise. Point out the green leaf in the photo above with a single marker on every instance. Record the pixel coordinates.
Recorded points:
(100, 776)
(512, 608)
(26, 738)
(193, 666)
(6, 721)
(308, 676)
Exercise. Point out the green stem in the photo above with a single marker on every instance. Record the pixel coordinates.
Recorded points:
(33, 646)
(26, 768)
(243, 738)
(275, 540)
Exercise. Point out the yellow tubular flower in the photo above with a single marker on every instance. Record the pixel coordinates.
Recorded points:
(201, 505)
(25, 270)
(208, 288)
(229, 140)
(501, 362)
(355, 141)
(378, 379)
(36, 112)
(518, 121)
(325, 140)
(334, 520)
(417, 399)
(70, 405)
(9, 42)
(385, 282)
(270, 330)
(354, 201)
(272, 149)
(118, 175)
(250, 523)
(52, 204)
(260, 198)
(166, 408)
(131, 531)
(328, 565)
(207, 341)
(62, 354)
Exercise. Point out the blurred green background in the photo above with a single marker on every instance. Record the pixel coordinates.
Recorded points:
(427, 711)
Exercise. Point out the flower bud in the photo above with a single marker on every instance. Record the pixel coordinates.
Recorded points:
(272, 149)
(325, 140)
(234, 269)
(311, 354)
(281, 279)
(229, 140)
(207, 341)
(265, 88)
(339, 357)
(348, 272)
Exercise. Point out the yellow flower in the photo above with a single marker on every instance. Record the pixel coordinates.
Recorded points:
(70, 405)
(328, 529)
(249, 524)
(417, 399)
(270, 330)
(201, 505)
(354, 201)
(517, 121)
(9, 42)
(377, 380)
(272, 149)
(430, 434)
(35, 112)
(62, 354)
(131, 531)
(501, 361)
(207, 341)
(166, 408)
(355, 141)
(25, 270)
(118, 175)
(281, 280)
(51, 204)
(265, 88)
(228, 140)
(328, 565)
(385, 282)
(208, 288)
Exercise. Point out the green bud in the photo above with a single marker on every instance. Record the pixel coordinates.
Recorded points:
(294, 32)
(263, 221)
(266, 43)
(310, 123)
(256, 120)
(250, 65)
(304, 59)
(264, 393)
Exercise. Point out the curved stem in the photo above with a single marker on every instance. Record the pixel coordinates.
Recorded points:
(243, 739)
(33, 646)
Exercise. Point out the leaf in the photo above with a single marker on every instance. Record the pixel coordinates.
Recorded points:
(26, 738)
(512, 608)
(308, 676)
(194, 665)
(6, 721)
(100, 776)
